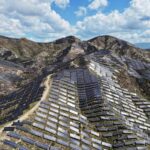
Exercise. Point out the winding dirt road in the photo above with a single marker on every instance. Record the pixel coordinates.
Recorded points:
(45, 95)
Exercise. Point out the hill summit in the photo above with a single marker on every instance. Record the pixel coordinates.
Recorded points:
(74, 94)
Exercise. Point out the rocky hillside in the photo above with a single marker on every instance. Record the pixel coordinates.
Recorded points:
(120, 47)
(21, 59)
(25, 49)
(73, 94)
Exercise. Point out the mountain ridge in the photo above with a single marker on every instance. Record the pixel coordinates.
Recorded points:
(27, 48)
(71, 92)
(34, 57)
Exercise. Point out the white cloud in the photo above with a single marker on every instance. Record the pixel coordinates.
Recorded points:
(141, 7)
(134, 37)
(96, 4)
(101, 23)
(129, 25)
(61, 3)
(32, 18)
(81, 11)
(147, 32)
(11, 27)
(37, 20)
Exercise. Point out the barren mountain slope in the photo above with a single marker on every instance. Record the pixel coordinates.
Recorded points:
(33, 57)
(120, 47)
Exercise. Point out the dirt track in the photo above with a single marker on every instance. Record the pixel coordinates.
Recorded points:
(47, 85)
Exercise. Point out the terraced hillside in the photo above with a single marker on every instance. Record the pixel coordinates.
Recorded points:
(13, 105)
(92, 100)
(21, 60)
(86, 109)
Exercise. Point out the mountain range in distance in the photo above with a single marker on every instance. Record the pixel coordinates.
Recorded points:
(143, 45)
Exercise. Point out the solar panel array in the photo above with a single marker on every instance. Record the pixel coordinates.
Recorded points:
(13, 105)
(86, 109)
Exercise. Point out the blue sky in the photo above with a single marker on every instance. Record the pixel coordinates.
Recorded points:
(69, 12)
(47, 20)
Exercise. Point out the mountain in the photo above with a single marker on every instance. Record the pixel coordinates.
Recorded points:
(119, 47)
(74, 94)
(143, 45)
(33, 57)
(24, 48)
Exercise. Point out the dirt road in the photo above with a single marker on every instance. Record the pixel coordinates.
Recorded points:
(47, 85)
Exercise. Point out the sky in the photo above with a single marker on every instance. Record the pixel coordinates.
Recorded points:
(48, 20)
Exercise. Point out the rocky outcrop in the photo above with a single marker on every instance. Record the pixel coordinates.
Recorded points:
(35, 56)
(120, 47)
(98, 95)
